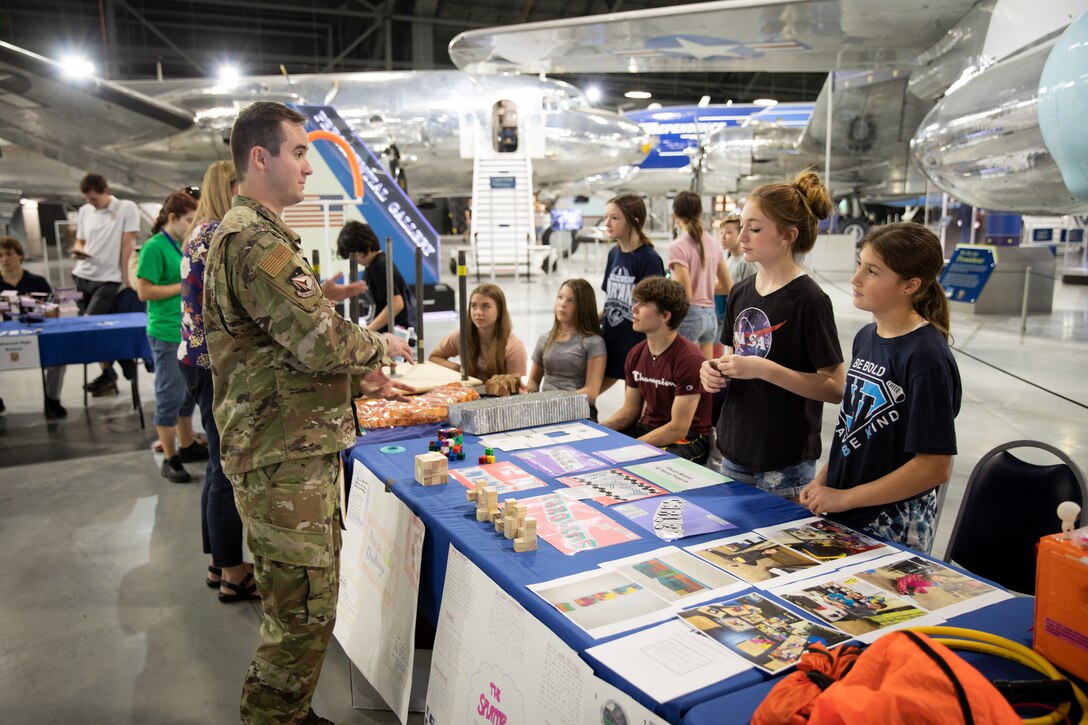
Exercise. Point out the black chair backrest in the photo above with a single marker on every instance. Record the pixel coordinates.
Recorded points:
(1008, 506)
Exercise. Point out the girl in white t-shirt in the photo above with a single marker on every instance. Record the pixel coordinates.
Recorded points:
(695, 261)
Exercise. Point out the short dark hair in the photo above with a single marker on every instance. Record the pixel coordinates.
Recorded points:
(667, 294)
(93, 182)
(259, 124)
(14, 245)
(735, 221)
(356, 237)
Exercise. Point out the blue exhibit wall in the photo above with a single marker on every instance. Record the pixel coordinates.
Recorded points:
(385, 206)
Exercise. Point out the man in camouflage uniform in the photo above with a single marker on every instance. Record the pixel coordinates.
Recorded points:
(285, 367)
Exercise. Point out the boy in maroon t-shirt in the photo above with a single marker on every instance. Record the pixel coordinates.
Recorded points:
(664, 404)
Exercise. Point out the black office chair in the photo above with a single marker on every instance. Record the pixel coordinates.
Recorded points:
(1008, 506)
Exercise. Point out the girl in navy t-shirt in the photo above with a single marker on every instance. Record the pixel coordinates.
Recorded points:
(629, 262)
(895, 436)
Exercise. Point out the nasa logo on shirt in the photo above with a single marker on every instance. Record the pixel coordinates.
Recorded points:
(689, 388)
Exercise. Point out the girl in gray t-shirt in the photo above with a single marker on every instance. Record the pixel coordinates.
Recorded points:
(572, 355)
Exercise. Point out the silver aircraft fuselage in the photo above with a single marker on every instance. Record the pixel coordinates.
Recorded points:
(422, 113)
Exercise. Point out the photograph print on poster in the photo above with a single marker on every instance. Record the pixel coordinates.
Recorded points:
(755, 559)
(760, 630)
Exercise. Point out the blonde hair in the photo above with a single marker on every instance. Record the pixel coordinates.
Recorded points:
(215, 196)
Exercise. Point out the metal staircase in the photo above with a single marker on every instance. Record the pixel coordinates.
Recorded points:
(503, 232)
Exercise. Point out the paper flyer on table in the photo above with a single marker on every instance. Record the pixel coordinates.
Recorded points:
(634, 452)
(669, 660)
(758, 560)
(560, 460)
(671, 517)
(603, 602)
(572, 526)
(678, 475)
(504, 476)
(613, 486)
(494, 662)
(855, 606)
(380, 556)
(760, 630)
(675, 575)
(826, 541)
(929, 584)
(549, 435)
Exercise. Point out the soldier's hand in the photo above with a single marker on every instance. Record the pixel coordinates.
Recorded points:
(377, 384)
(398, 347)
(335, 290)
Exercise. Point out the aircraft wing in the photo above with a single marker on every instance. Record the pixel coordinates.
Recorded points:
(728, 35)
(77, 121)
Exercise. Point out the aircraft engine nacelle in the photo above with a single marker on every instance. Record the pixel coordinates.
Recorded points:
(741, 158)
(985, 143)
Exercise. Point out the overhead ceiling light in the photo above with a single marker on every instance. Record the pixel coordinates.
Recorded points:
(704, 101)
(229, 73)
(653, 106)
(593, 94)
(638, 95)
(765, 102)
(77, 66)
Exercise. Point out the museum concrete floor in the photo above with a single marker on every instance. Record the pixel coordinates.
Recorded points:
(103, 612)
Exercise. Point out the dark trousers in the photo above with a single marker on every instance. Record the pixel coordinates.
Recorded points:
(220, 524)
(694, 447)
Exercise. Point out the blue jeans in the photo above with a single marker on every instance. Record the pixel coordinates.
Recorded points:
(172, 400)
(700, 325)
(220, 525)
(785, 482)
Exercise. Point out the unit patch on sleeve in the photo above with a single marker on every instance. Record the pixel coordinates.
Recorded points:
(303, 282)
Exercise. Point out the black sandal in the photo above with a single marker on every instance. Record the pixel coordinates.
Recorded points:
(243, 592)
(217, 572)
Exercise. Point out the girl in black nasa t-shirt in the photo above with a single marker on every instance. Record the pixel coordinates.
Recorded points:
(895, 435)
(782, 359)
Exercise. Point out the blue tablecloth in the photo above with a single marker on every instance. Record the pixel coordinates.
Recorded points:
(98, 338)
(450, 518)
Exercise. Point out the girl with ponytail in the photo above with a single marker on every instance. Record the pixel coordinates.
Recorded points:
(782, 359)
(696, 262)
(632, 260)
(895, 436)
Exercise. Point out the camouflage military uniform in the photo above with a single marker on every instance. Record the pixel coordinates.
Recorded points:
(284, 368)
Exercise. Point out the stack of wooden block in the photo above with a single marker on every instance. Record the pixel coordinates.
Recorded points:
(515, 525)
(432, 468)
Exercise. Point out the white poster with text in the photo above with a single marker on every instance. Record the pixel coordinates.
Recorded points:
(494, 663)
(379, 588)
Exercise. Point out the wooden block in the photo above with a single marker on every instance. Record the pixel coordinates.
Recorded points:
(435, 479)
(510, 526)
(525, 544)
(528, 529)
(429, 465)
